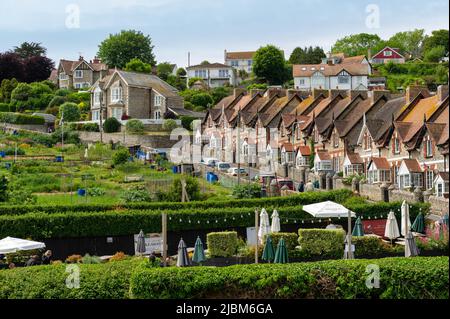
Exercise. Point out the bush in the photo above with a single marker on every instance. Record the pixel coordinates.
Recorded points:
(12, 151)
(400, 278)
(174, 194)
(88, 259)
(170, 125)
(57, 101)
(121, 156)
(202, 99)
(136, 194)
(135, 127)
(96, 191)
(4, 107)
(70, 111)
(111, 125)
(291, 240)
(322, 242)
(98, 281)
(21, 196)
(21, 119)
(373, 247)
(252, 190)
(223, 244)
(186, 122)
(3, 188)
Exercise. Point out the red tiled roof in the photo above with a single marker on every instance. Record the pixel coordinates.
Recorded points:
(381, 162)
(307, 70)
(304, 150)
(288, 147)
(413, 165)
(240, 55)
(354, 158)
(323, 155)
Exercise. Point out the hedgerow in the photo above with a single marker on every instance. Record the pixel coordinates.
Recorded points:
(39, 225)
(400, 278)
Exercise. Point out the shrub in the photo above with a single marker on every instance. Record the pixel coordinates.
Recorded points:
(170, 125)
(136, 194)
(12, 151)
(186, 122)
(373, 247)
(252, 190)
(96, 191)
(3, 188)
(89, 127)
(202, 99)
(4, 107)
(291, 240)
(111, 125)
(88, 259)
(322, 242)
(121, 156)
(57, 101)
(21, 196)
(70, 111)
(135, 127)
(21, 119)
(400, 278)
(174, 194)
(223, 244)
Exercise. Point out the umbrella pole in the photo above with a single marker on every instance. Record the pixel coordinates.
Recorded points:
(164, 231)
(349, 236)
(257, 238)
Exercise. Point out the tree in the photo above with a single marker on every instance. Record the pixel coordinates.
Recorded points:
(164, 70)
(111, 125)
(30, 49)
(206, 62)
(21, 95)
(357, 44)
(70, 111)
(269, 64)
(119, 49)
(121, 156)
(435, 54)
(6, 89)
(219, 93)
(307, 55)
(409, 41)
(11, 66)
(136, 65)
(202, 99)
(437, 38)
(181, 72)
(37, 68)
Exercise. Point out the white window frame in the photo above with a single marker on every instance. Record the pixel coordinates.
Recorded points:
(116, 94)
(157, 114)
(343, 79)
(396, 145)
(116, 111)
(429, 179)
(429, 147)
(158, 100)
(388, 53)
(77, 85)
(97, 95)
(63, 76)
(96, 115)
(78, 74)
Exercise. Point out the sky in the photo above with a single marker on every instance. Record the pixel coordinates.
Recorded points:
(205, 28)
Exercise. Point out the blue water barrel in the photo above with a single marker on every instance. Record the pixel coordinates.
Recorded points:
(2, 154)
(81, 192)
(59, 159)
(175, 169)
(213, 178)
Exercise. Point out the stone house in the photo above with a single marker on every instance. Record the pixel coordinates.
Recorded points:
(80, 74)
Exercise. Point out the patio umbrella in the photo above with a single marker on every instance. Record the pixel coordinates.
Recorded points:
(419, 224)
(406, 222)
(327, 209)
(183, 258)
(391, 230)
(359, 229)
(12, 245)
(264, 226)
(140, 245)
(269, 251)
(281, 255)
(199, 252)
(275, 222)
(411, 249)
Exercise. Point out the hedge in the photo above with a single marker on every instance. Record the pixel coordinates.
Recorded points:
(400, 278)
(322, 242)
(223, 244)
(17, 118)
(125, 222)
(97, 281)
(291, 240)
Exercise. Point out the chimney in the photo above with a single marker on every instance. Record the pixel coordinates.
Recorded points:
(317, 92)
(96, 60)
(354, 93)
(272, 91)
(334, 93)
(225, 56)
(413, 90)
(377, 94)
(442, 92)
(330, 62)
(237, 92)
(80, 58)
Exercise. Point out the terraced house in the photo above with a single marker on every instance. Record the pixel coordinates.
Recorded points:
(80, 74)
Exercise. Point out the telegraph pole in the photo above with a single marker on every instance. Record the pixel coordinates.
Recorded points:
(101, 118)
(239, 146)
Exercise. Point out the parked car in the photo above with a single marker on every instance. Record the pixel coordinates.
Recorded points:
(210, 162)
(234, 171)
(286, 182)
(223, 167)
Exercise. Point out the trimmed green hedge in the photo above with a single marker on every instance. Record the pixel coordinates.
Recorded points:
(223, 244)
(97, 281)
(18, 118)
(322, 242)
(291, 240)
(400, 278)
(302, 199)
(126, 222)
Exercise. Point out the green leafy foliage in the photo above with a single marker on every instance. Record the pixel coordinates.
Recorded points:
(111, 125)
(70, 112)
(3, 188)
(252, 190)
(307, 55)
(21, 119)
(121, 156)
(270, 65)
(169, 125)
(136, 65)
(321, 242)
(174, 194)
(135, 194)
(224, 244)
(358, 44)
(135, 127)
(291, 240)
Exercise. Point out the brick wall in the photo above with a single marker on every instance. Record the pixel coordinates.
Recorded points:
(155, 141)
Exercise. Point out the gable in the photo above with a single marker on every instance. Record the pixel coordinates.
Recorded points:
(394, 54)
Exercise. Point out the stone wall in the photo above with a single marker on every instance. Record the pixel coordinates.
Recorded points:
(28, 127)
(155, 141)
(439, 205)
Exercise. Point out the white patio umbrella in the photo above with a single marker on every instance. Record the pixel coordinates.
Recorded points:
(264, 226)
(406, 221)
(275, 222)
(12, 245)
(391, 231)
(327, 210)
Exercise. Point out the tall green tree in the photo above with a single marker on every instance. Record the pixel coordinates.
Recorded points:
(437, 38)
(409, 41)
(164, 69)
(358, 44)
(30, 49)
(6, 88)
(118, 49)
(136, 65)
(269, 64)
(307, 55)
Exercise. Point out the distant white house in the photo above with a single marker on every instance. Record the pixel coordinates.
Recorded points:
(240, 60)
(337, 73)
(213, 74)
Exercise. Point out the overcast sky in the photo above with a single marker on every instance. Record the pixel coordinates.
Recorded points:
(207, 27)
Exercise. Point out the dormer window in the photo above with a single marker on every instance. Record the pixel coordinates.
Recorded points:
(303, 68)
(429, 148)
(97, 95)
(387, 53)
(116, 94)
(63, 76)
(396, 145)
(313, 69)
